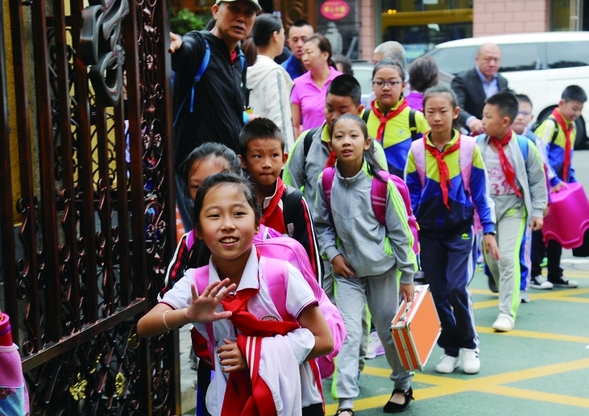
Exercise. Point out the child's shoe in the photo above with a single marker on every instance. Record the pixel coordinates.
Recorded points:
(447, 364)
(571, 284)
(375, 347)
(524, 296)
(536, 283)
(504, 323)
(471, 364)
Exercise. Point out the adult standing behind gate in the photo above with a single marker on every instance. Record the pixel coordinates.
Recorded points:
(210, 109)
(474, 86)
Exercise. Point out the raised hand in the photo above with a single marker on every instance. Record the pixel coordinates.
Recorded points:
(202, 308)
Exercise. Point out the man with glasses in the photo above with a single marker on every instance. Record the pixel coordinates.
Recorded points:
(211, 109)
(474, 86)
(298, 34)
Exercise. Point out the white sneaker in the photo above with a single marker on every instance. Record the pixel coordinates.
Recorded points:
(524, 296)
(447, 364)
(471, 364)
(375, 347)
(537, 283)
(504, 323)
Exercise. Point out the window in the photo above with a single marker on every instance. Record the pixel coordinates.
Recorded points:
(455, 60)
(567, 54)
(520, 57)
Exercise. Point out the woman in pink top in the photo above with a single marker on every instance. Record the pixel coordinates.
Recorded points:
(308, 94)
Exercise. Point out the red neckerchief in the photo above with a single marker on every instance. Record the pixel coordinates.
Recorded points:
(248, 395)
(442, 166)
(384, 119)
(505, 165)
(268, 217)
(233, 56)
(568, 142)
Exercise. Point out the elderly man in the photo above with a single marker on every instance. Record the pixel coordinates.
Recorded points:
(390, 49)
(474, 86)
(211, 110)
(298, 34)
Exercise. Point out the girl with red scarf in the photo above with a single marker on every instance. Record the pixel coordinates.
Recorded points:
(444, 206)
(264, 362)
(518, 190)
(388, 119)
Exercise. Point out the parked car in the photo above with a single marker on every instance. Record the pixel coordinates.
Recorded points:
(540, 65)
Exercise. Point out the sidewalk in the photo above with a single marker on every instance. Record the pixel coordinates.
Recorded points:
(539, 368)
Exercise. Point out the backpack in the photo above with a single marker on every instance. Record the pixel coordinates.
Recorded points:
(274, 274)
(201, 70)
(378, 197)
(412, 124)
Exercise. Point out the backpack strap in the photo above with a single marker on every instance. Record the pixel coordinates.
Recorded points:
(522, 141)
(365, 115)
(308, 141)
(418, 150)
(412, 124)
(292, 204)
(327, 183)
(190, 239)
(275, 275)
(378, 196)
(201, 70)
(466, 153)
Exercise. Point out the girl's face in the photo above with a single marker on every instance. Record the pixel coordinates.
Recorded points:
(349, 143)
(227, 223)
(202, 169)
(440, 113)
(388, 85)
(312, 56)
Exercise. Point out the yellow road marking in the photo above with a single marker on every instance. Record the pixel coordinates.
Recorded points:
(535, 335)
(444, 386)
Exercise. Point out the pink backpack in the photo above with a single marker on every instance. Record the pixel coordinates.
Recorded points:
(466, 153)
(378, 196)
(274, 274)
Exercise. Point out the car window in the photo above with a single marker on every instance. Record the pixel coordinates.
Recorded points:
(454, 60)
(519, 57)
(567, 54)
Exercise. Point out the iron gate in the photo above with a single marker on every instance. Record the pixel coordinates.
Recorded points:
(86, 203)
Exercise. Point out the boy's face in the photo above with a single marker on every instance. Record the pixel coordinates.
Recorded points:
(494, 123)
(571, 110)
(524, 117)
(264, 160)
(336, 105)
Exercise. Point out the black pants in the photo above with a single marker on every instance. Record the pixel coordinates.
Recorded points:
(553, 252)
(314, 410)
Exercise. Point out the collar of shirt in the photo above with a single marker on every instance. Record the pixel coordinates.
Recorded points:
(249, 277)
(268, 199)
(490, 87)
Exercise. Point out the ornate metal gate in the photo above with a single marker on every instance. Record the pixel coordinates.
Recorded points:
(86, 203)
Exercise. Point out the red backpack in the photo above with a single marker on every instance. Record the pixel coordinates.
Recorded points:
(290, 250)
(378, 196)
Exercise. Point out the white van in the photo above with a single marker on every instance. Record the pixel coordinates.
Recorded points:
(540, 65)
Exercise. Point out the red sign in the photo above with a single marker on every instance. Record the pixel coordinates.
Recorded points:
(334, 9)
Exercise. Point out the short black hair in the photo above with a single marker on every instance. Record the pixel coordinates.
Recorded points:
(506, 103)
(574, 93)
(346, 86)
(523, 98)
(299, 23)
(259, 128)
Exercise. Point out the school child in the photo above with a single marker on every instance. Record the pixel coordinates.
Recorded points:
(533, 244)
(518, 190)
(284, 209)
(311, 151)
(366, 257)
(262, 360)
(390, 120)
(204, 161)
(558, 131)
(444, 206)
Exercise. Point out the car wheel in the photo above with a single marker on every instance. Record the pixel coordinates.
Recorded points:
(581, 139)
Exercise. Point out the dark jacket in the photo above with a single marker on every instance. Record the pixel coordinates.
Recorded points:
(219, 97)
(471, 96)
